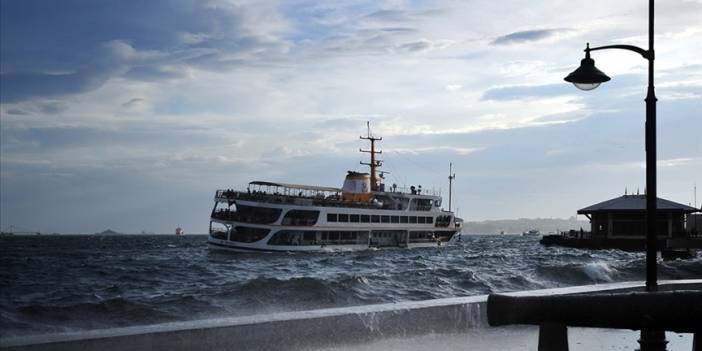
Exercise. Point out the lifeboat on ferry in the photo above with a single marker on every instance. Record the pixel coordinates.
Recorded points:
(356, 187)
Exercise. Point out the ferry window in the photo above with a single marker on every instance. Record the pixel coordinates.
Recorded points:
(430, 220)
(395, 219)
(403, 203)
(343, 217)
(385, 219)
(293, 237)
(418, 237)
(218, 234)
(255, 215)
(300, 217)
(421, 220)
(421, 204)
(365, 218)
(375, 219)
(331, 217)
(310, 236)
(333, 236)
(248, 234)
(413, 219)
(354, 218)
(403, 219)
(325, 236)
(443, 221)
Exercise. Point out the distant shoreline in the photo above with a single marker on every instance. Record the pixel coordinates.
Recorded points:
(483, 227)
(98, 234)
(520, 225)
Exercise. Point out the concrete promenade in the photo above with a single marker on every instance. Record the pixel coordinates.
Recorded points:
(452, 323)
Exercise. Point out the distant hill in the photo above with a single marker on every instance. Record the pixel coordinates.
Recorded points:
(108, 232)
(514, 226)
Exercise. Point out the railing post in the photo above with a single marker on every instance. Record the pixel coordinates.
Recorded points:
(553, 337)
(652, 340)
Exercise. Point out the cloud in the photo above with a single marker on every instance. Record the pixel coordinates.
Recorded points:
(676, 162)
(23, 86)
(17, 112)
(389, 15)
(52, 108)
(461, 151)
(133, 103)
(51, 49)
(152, 73)
(527, 36)
(425, 45)
(527, 91)
(109, 58)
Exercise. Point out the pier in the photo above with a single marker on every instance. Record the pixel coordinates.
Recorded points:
(620, 223)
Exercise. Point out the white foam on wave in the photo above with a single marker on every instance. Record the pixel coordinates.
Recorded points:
(598, 271)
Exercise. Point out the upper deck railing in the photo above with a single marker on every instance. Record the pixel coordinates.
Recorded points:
(417, 191)
(298, 200)
(304, 199)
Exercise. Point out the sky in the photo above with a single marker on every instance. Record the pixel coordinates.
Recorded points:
(130, 114)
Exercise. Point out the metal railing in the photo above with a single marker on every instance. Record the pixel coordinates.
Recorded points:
(653, 312)
(277, 198)
(417, 191)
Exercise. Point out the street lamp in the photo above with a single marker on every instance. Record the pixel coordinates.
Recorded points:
(588, 77)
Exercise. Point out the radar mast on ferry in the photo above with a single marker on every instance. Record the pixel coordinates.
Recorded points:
(374, 163)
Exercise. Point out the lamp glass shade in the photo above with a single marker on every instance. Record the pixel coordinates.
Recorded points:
(586, 86)
(587, 76)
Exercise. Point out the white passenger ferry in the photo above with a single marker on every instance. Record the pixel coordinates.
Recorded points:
(362, 214)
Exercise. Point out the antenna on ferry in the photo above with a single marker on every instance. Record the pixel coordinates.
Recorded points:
(451, 177)
(373, 162)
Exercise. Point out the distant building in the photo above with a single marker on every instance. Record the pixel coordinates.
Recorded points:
(624, 217)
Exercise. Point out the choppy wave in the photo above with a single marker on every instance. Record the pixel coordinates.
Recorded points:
(51, 284)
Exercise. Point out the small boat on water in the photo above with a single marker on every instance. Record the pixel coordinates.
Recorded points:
(363, 214)
(532, 232)
(179, 231)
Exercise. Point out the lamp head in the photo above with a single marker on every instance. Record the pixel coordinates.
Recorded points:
(587, 76)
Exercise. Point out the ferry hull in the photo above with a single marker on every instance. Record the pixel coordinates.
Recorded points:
(228, 246)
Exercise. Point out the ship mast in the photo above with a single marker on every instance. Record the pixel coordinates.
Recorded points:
(451, 177)
(373, 162)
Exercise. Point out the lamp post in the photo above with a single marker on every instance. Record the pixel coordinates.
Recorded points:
(588, 77)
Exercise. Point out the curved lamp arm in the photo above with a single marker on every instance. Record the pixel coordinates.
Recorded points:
(647, 54)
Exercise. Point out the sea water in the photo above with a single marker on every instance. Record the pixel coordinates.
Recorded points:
(80, 282)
